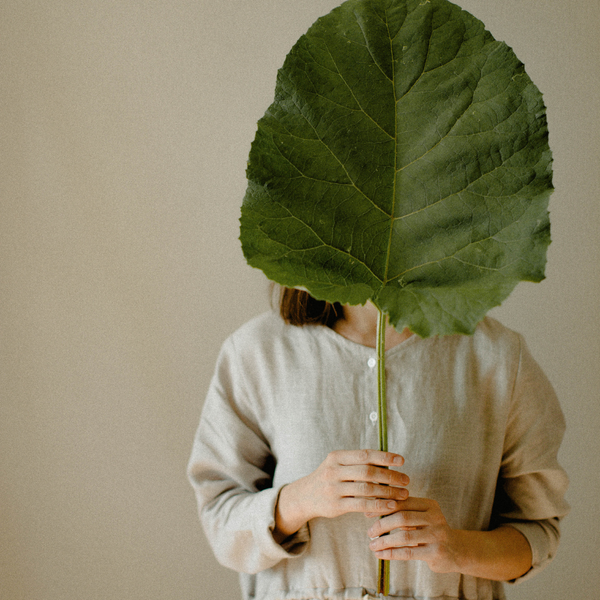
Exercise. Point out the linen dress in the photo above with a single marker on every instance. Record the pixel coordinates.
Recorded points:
(475, 418)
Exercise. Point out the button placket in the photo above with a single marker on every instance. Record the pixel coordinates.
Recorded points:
(373, 416)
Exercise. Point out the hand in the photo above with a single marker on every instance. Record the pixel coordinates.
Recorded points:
(346, 481)
(356, 481)
(417, 531)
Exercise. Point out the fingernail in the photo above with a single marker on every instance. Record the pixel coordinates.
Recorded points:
(398, 460)
(390, 504)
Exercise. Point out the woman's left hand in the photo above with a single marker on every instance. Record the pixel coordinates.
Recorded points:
(417, 531)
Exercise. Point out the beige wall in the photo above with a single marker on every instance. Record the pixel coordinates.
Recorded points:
(125, 127)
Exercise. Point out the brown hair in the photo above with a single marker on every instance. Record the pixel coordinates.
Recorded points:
(298, 307)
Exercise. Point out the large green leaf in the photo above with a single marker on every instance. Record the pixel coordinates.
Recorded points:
(404, 160)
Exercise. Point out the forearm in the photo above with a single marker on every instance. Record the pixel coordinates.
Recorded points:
(501, 554)
(419, 531)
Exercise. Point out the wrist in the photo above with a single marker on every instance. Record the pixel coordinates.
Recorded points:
(290, 511)
(460, 556)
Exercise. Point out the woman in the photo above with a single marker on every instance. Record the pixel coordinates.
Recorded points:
(287, 483)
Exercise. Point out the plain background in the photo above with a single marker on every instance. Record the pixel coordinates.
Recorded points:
(125, 128)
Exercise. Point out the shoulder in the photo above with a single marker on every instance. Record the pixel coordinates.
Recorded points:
(497, 348)
(489, 337)
(505, 352)
(267, 328)
(492, 348)
(490, 333)
(268, 336)
(264, 326)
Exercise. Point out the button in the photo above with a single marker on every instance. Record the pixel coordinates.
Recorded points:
(373, 416)
(372, 362)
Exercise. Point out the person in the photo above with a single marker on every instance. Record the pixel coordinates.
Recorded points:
(293, 496)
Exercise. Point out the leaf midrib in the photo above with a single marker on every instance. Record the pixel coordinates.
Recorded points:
(389, 246)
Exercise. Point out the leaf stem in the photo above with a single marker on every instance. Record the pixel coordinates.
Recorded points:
(381, 395)
(383, 566)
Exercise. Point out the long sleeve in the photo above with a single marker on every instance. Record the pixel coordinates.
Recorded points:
(231, 470)
(531, 495)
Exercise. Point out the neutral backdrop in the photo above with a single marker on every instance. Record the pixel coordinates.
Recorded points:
(124, 129)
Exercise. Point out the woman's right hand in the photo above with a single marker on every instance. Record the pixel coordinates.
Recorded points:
(346, 481)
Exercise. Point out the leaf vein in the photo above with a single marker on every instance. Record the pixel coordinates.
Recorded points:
(351, 182)
(353, 95)
(323, 244)
(390, 238)
(454, 255)
(500, 166)
(391, 79)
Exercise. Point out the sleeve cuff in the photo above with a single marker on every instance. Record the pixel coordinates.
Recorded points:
(542, 537)
(292, 546)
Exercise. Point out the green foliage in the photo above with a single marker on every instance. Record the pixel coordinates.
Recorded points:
(404, 160)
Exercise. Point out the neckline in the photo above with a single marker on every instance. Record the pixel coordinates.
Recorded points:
(356, 346)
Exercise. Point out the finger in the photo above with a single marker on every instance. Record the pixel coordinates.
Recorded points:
(372, 506)
(406, 553)
(402, 539)
(418, 504)
(401, 519)
(373, 474)
(364, 489)
(368, 457)
(379, 515)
